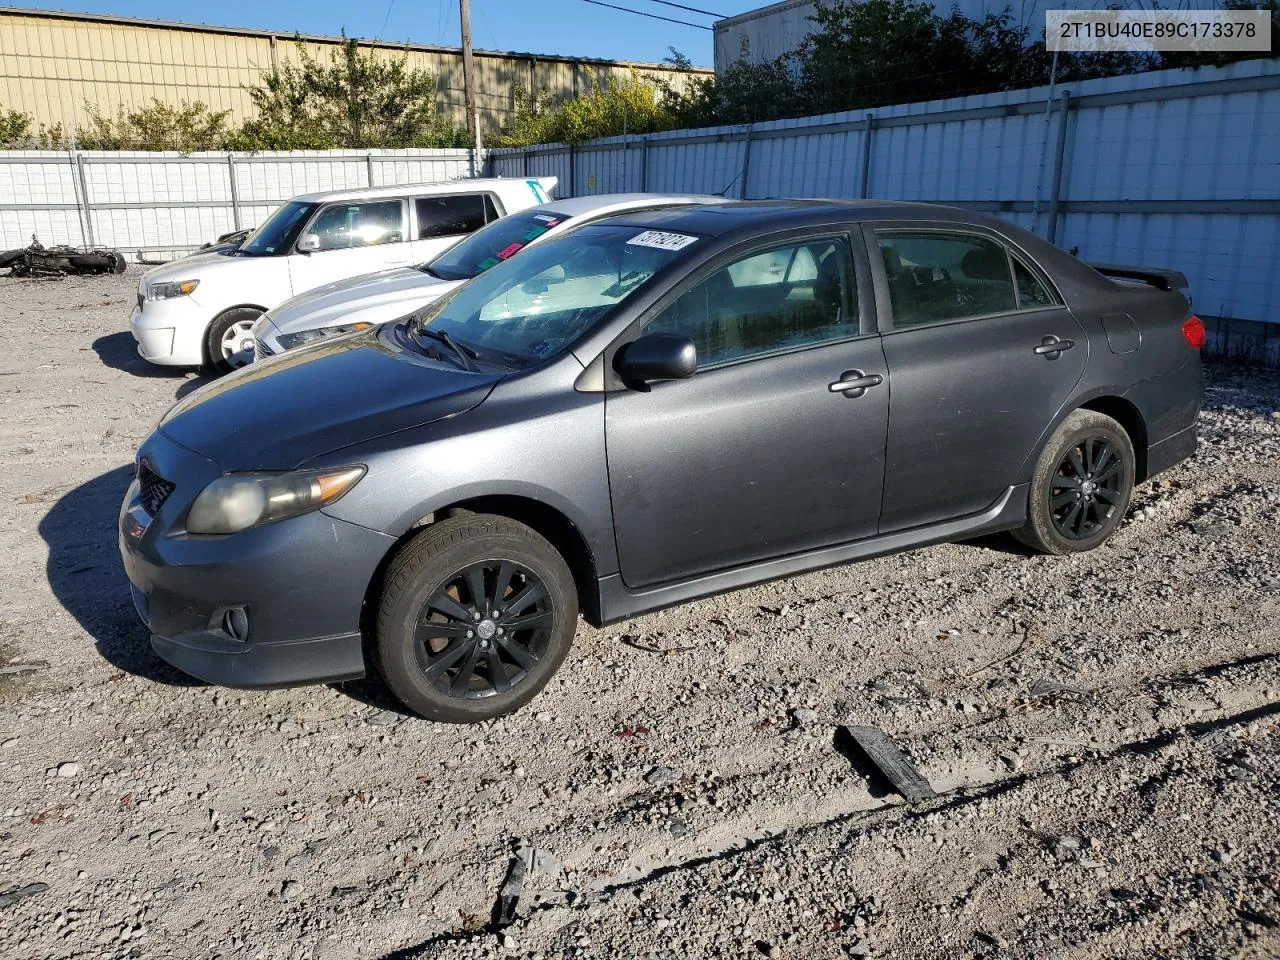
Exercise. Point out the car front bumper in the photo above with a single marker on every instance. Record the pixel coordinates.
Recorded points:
(275, 605)
(169, 332)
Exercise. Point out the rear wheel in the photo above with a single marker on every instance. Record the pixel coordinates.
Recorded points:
(1081, 487)
(229, 342)
(477, 614)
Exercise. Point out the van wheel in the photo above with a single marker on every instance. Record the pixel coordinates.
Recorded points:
(229, 342)
(1081, 487)
(476, 615)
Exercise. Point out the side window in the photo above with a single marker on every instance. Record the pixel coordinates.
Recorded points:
(346, 225)
(787, 296)
(1032, 292)
(450, 216)
(935, 277)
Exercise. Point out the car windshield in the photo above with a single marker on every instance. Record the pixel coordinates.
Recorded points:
(492, 244)
(278, 234)
(530, 308)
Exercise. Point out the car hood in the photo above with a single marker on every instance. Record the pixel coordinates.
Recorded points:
(279, 413)
(375, 297)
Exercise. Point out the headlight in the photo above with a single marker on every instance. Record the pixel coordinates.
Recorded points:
(167, 291)
(239, 501)
(290, 340)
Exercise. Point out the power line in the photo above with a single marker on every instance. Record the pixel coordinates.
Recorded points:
(668, 3)
(386, 18)
(651, 16)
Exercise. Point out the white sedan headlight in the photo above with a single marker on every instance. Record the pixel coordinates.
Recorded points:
(290, 340)
(167, 291)
(239, 501)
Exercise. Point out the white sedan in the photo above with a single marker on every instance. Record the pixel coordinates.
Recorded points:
(348, 305)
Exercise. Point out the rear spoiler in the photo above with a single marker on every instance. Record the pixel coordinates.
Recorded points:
(1162, 279)
(546, 185)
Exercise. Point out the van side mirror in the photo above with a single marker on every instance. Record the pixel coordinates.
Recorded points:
(308, 243)
(656, 356)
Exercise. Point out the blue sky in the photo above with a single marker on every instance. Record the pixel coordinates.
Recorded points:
(567, 27)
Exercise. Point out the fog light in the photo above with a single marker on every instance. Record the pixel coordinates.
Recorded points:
(231, 622)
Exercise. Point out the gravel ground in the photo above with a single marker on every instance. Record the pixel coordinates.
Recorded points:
(1102, 732)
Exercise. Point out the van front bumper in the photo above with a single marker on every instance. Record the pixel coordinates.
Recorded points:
(169, 332)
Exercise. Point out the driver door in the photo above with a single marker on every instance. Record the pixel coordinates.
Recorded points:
(356, 237)
(755, 456)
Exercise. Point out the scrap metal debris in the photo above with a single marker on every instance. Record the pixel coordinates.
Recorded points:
(21, 893)
(504, 911)
(38, 260)
(892, 762)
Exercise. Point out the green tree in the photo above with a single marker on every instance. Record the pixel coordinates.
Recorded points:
(357, 100)
(15, 129)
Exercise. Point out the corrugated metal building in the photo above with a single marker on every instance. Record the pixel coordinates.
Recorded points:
(52, 64)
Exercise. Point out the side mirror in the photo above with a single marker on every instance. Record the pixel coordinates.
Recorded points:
(308, 243)
(656, 356)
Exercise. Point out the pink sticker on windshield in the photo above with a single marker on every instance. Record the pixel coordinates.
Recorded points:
(509, 250)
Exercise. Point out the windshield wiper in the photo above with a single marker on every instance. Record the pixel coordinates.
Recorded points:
(465, 354)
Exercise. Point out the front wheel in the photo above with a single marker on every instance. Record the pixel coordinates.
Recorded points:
(1081, 487)
(477, 614)
(229, 343)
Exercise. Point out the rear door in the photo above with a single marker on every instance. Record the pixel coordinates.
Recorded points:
(356, 237)
(755, 456)
(982, 355)
(440, 221)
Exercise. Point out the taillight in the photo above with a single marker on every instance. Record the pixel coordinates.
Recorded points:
(1193, 331)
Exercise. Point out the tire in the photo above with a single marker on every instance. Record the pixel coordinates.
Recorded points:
(226, 326)
(1089, 455)
(427, 608)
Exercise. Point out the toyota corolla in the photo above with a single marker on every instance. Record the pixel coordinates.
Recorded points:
(651, 409)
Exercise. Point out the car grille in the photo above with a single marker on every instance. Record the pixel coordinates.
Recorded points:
(153, 489)
(260, 350)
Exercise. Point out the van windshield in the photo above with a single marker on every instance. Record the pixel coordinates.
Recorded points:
(531, 307)
(278, 235)
(492, 244)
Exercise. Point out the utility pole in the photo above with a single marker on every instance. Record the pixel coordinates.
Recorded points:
(469, 78)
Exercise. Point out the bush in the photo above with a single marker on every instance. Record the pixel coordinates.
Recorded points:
(187, 127)
(630, 106)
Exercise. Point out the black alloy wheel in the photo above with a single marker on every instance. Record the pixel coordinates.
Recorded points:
(484, 629)
(1086, 488)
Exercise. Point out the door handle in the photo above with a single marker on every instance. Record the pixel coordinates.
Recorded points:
(854, 383)
(1052, 347)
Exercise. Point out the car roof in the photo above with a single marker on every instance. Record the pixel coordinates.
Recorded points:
(747, 216)
(623, 202)
(480, 185)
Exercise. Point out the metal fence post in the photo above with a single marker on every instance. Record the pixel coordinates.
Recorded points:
(525, 155)
(866, 157)
(75, 192)
(1059, 164)
(235, 191)
(573, 170)
(368, 166)
(746, 162)
(644, 164)
(88, 207)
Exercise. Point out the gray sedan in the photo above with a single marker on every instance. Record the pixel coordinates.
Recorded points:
(650, 409)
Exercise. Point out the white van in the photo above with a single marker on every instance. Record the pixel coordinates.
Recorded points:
(199, 310)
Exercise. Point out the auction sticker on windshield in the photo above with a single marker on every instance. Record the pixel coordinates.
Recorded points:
(661, 240)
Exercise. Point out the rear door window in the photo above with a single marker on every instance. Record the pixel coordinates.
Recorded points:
(936, 276)
(453, 215)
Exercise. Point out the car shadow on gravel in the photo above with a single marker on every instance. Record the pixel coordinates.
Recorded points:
(86, 575)
(119, 351)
